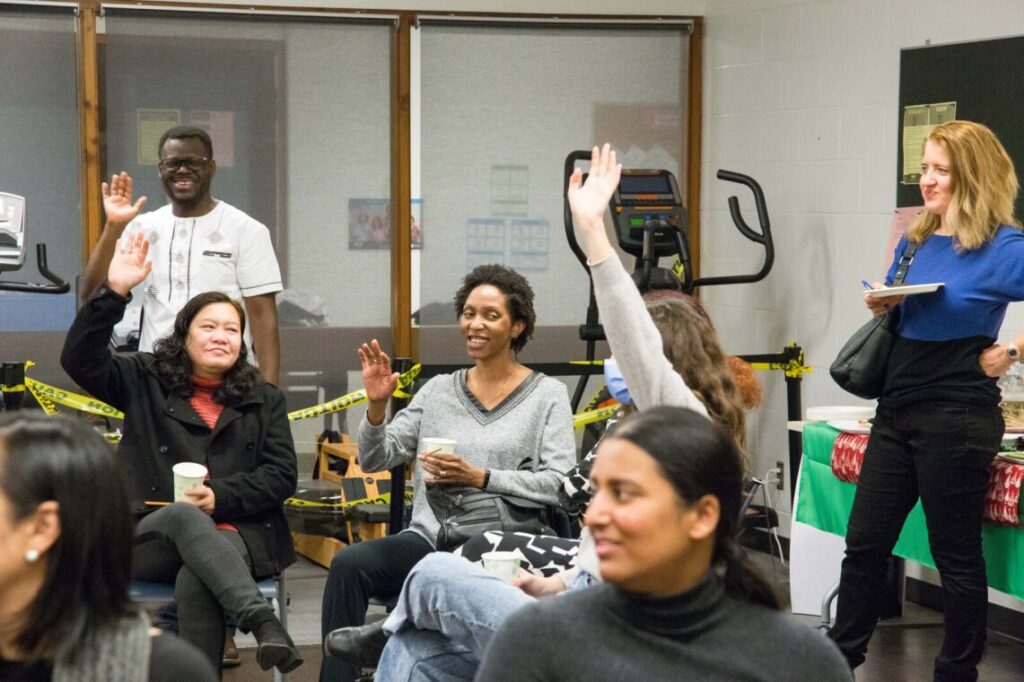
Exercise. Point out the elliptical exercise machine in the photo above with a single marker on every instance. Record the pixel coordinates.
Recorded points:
(651, 223)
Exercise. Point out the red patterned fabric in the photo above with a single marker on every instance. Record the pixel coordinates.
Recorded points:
(1001, 502)
(848, 455)
(1003, 497)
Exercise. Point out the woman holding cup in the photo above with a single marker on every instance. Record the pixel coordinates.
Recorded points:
(196, 399)
(512, 429)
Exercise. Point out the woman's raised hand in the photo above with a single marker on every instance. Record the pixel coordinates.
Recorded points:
(589, 200)
(117, 200)
(130, 263)
(378, 379)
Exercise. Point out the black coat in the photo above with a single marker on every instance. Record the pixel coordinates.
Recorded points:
(249, 451)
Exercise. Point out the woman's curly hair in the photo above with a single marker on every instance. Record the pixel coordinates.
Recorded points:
(518, 296)
(175, 367)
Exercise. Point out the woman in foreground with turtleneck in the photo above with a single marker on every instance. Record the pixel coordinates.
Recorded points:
(679, 601)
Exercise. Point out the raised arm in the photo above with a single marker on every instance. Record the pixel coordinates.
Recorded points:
(634, 340)
(85, 356)
(120, 211)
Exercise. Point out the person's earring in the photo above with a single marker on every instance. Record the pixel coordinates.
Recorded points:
(32, 556)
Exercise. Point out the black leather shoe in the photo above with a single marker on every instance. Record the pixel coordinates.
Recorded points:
(276, 648)
(360, 645)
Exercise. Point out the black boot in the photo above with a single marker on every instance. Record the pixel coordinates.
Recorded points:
(359, 645)
(276, 648)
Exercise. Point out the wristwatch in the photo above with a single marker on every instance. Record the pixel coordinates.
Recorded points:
(1013, 352)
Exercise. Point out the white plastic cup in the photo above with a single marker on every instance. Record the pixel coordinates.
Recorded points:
(503, 565)
(187, 475)
(443, 446)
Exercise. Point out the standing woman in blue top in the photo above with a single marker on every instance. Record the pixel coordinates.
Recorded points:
(938, 424)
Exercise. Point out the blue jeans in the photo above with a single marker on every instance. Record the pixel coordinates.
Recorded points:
(446, 614)
(940, 453)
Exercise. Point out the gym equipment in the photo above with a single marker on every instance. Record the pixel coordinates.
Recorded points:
(651, 223)
(13, 241)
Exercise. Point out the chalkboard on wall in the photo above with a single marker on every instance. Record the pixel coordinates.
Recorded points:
(984, 79)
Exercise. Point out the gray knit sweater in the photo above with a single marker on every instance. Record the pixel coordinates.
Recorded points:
(636, 343)
(526, 441)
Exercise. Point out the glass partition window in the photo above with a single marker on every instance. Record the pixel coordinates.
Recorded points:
(300, 116)
(39, 160)
(501, 109)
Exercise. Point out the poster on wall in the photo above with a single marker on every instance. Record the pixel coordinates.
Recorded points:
(918, 122)
(151, 124)
(221, 127)
(485, 241)
(369, 223)
(510, 190)
(528, 245)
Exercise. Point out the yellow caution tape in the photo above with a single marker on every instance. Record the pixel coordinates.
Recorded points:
(581, 419)
(52, 394)
(677, 269)
(383, 498)
(354, 398)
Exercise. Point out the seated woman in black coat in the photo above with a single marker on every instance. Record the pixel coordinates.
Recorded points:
(197, 399)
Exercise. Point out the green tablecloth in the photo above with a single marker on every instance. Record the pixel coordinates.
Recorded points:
(825, 502)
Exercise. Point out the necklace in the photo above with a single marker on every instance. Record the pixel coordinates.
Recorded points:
(501, 390)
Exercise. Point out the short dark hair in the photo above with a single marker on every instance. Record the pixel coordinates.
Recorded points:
(88, 568)
(698, 457)
(518, 296)
(175, 368)
(182, 132)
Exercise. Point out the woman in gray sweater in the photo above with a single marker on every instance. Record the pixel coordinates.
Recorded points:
(512, 427)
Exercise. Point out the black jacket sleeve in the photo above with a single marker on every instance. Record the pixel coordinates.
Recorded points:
(86, 356)
(249, 493)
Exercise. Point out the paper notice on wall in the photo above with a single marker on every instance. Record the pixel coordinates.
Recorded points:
(152, 123)
(902, 219)
(485, 241)
(510, 190)
(528, 245)
(918, 121)
(221, 127)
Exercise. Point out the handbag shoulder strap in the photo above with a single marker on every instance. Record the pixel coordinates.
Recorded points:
(905, 260)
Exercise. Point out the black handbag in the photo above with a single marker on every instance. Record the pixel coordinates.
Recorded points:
(466, 511)
(861, 365)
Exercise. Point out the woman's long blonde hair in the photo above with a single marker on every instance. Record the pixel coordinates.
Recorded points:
(984, 186)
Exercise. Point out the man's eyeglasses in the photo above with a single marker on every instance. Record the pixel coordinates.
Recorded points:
(194, 164)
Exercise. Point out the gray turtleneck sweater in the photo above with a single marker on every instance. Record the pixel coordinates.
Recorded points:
(701, 634)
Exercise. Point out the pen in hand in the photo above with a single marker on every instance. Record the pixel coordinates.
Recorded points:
(866, 285)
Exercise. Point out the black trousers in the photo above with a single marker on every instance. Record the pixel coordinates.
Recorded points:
(209, 568)
(376, 568)
(940, 453)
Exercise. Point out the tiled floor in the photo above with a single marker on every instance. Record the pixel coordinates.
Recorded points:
(902, 650)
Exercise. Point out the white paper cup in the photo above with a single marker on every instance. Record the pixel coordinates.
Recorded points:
(504, 565)
(187, 475)
(441, 445)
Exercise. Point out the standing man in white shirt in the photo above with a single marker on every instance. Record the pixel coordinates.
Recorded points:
(197, 244)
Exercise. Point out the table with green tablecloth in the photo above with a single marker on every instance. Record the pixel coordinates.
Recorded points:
(824, 502)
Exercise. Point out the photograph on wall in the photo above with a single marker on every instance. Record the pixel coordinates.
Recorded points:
(151, 125)
(369, 223)
(417, 223)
